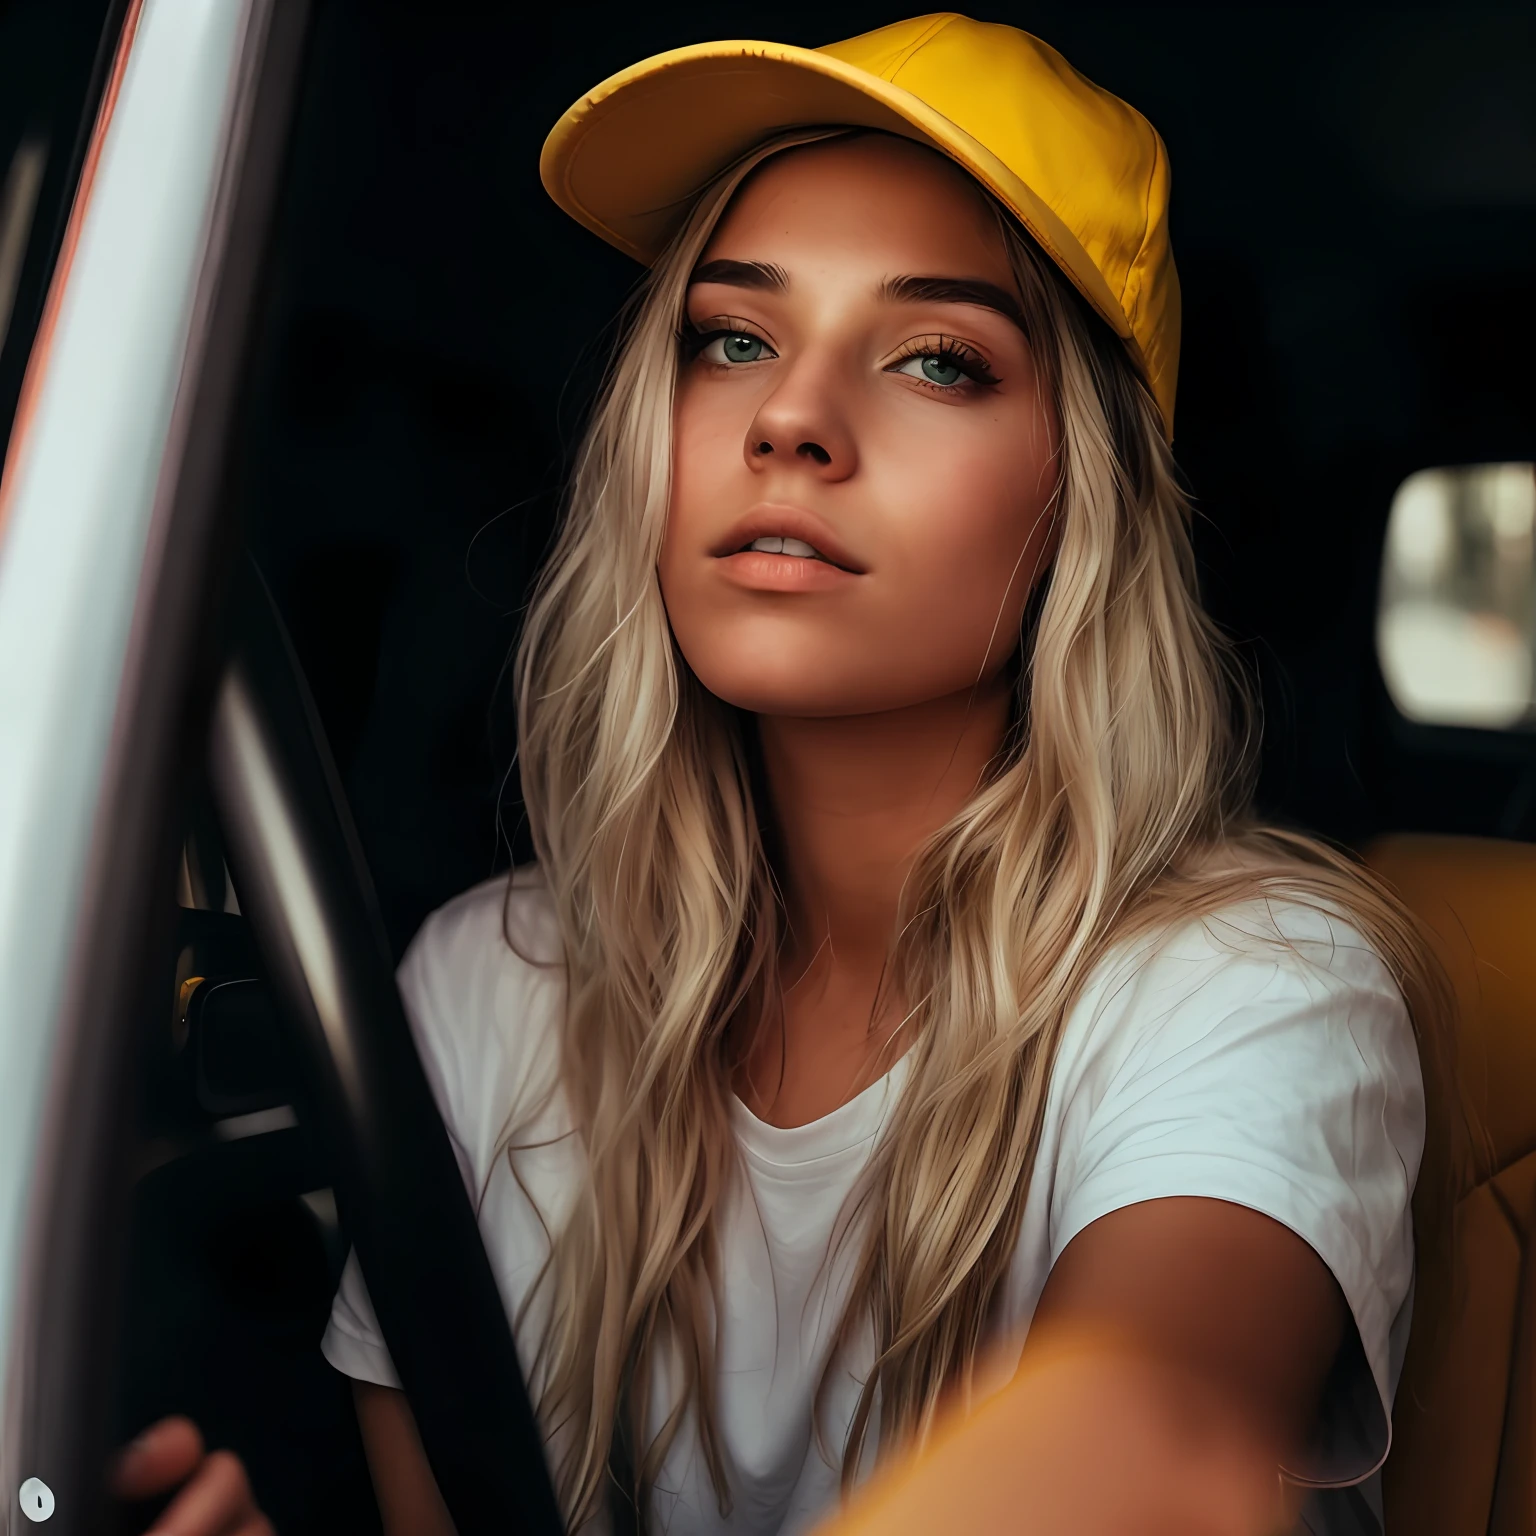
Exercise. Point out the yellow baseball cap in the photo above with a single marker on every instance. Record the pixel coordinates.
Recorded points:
(1084, 173)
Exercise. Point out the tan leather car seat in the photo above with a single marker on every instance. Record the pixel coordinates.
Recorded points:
(1463, 1460)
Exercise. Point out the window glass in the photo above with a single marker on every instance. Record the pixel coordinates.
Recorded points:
(1454, 630)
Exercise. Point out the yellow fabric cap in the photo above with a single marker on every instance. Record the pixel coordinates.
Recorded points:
(1084, 173)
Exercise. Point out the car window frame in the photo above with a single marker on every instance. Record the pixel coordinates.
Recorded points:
(68, 1060)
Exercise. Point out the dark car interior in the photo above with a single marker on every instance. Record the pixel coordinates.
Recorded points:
(1355, 225)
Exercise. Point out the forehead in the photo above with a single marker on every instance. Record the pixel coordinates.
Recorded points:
(870, 200)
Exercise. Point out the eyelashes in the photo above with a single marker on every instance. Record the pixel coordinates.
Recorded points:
(945, 364)
(950, 354)
(693, 339)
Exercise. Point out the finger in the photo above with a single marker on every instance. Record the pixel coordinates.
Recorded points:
(159, 1458)
(260, 1526)
(216, 1502)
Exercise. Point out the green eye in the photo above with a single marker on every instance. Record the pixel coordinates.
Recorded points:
(735, 347)
(942, 368)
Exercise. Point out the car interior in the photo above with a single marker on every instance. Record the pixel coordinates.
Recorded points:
(1355, 225)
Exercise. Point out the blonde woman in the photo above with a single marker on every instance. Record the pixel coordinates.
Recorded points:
(905, 990)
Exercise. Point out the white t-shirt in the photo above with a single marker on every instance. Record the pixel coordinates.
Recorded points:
(1261, 1056)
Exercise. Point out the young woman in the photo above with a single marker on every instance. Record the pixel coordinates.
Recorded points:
(904, 972)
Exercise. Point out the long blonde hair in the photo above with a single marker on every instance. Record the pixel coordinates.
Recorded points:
(1120, 805)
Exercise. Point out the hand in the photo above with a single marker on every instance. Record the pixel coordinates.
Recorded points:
(217, 1499)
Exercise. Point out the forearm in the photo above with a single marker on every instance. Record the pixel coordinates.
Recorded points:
(408, 1497)
(1087, 1439)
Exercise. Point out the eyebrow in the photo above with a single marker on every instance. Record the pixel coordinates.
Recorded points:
(742, 274)
(955, 290)
(769, 276)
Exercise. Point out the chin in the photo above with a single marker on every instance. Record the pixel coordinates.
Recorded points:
(793, 692)
(805, 671)
(774, 696)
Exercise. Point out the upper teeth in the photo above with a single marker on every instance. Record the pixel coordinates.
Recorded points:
(774, 545)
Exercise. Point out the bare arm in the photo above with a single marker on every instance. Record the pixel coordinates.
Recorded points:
(1177, 1356)
(1231, 1296)
(409, 1501)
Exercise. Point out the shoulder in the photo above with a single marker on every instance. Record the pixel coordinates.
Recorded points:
(1274, 973)
(504, 922)
(483, 986)
(497, 936)
(1269, 1030)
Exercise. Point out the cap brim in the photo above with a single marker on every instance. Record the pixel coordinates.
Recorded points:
(627, 159)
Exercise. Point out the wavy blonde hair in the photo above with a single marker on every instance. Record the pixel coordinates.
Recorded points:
(1119, 805)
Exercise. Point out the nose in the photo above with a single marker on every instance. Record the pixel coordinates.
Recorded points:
(800, 425)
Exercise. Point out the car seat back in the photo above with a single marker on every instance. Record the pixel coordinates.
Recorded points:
(1463, 1459)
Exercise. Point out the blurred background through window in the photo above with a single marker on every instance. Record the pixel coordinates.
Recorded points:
(1455, 629)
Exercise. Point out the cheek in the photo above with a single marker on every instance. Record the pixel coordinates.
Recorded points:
(969, 533)
(708, 467)
(708, 436)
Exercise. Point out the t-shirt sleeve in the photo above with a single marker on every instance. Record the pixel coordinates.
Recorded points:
(1265, 1058)
(353, 1342)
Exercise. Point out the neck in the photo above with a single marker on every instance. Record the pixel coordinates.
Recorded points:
(854, 798)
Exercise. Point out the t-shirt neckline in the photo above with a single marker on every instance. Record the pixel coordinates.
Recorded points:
(848, 1126)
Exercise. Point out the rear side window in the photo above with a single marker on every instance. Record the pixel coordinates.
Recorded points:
(1456, 626)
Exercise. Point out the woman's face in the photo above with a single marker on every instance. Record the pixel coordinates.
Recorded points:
(856, 383)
